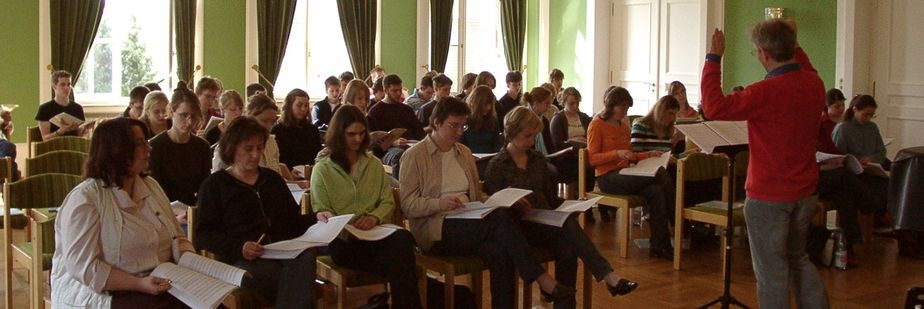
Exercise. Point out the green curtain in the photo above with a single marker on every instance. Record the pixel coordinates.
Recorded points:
(513, 24)
(358, 22)
(73, 28)
(274, 22)
(184, 27)
(440, 33)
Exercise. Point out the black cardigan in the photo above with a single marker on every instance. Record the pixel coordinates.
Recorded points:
(232, 212)
(298, 145)
(559, 127)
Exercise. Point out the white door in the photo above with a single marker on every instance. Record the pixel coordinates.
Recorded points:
(634, 51)
(683, 46)
(898, 71)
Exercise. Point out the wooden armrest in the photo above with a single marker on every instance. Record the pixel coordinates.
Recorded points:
(43, 215)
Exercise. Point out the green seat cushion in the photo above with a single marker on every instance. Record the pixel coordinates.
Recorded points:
(737, 214)
(353, 277)
(26, 248)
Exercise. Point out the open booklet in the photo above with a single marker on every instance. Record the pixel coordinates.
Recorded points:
(648, 167)
(200, 282)
(213, 122)
(64, 119)
(478, 210)
(297, 191)
(376, 137)
(711, 134)
(318, 235)
(853, 164)
(378, 232)
(557, 216)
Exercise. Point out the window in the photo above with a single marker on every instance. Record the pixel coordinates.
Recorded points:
(315, 50)
(483, 46)
(132, 47)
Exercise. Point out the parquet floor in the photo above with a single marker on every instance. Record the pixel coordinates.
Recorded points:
(879, 282)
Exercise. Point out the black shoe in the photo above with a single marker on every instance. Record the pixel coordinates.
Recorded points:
(664, 253)
(622, 287)
(561, 292)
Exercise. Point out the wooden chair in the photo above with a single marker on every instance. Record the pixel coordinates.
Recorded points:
(62, 143)
(699, 167)
(624, 203)
(59, 161)
(33, 135)
(34, 195)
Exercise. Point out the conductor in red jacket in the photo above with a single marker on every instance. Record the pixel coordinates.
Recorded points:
(782, 115)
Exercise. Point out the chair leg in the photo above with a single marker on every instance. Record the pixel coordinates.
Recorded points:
(623, 231)
(527, 293)
(341, 296)
(477, 287)
(678, 241)
(449, 290)
(422, 287)
(866, 227)
(588, 288)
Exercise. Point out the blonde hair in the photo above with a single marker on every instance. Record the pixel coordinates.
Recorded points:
(656, 114)
(538, 94)
(354, 88)
(480, 99)
(518, 120)
(230, 97)
(152, 99)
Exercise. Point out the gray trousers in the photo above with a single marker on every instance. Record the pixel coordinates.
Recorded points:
(777, 235)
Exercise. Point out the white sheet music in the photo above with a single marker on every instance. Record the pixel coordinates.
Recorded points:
(376, 233)
(477, 213)
(178, 207)
(192, 288)
(711, 134)
(547, 217)
(216, 269)
(578, 205)
(506, 197)
(319, 234)
(734, 132)
(648, 167)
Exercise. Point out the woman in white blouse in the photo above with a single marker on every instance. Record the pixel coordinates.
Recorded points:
(114, 228)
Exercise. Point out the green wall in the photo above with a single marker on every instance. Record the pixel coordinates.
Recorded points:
(19, 63)
(567, 38)
(224, 42)
(817, 22)
(532, 44)
(399, 39)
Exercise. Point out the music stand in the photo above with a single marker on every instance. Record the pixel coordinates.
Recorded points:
(726, 298)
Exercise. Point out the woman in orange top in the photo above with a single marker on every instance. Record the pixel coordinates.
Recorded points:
(610, 150)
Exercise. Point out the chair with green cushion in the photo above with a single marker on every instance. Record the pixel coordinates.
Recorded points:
(60, 161)
(73, 143)
(700, 167)
(624, 203)
(33, 195)
(6, 175)
(33, 135)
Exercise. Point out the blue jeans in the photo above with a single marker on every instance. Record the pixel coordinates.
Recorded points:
(777, 235)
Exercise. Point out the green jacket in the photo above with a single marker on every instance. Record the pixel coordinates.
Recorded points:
(333, 190)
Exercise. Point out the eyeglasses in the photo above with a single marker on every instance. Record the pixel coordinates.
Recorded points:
(456, 126)
(142, 143)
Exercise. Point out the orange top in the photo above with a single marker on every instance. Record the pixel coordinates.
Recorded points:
(603, 140)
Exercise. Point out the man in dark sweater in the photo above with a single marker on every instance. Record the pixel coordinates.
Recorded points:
(323, 110)
(442, 85)
(390, 114)
(511, 99)
(782, 114)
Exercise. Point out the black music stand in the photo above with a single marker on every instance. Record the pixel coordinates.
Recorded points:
(727, 299)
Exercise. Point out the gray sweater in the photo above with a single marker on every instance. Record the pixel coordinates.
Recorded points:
(859, 140)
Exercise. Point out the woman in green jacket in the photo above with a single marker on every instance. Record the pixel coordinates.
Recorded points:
(346, 179)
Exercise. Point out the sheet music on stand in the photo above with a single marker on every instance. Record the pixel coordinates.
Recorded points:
(711, 134)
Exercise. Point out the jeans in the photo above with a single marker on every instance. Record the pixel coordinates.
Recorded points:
(777, 235)
(501, 245)
(288, 282)
(658, 193)
(567, 244)
(391, 257)
(392, 158)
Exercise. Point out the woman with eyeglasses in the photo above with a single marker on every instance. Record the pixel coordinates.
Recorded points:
(263, 109)
(180, 160)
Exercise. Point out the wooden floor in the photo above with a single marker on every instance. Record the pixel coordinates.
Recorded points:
(879, 282)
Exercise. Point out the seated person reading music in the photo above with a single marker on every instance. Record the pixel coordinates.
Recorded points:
(232, 106)
(357, 94)
(111, 231)
(610, 150)
(245, 206)
(349, 180)
(519, 165)
(263, 109)
(679, 92)
(299, 141)
(482, 132)
(207, 90)
(154, 115)
(655, 131)
(323, 110)
(569, 129)
(136, 102)
(62, 103)
(390, 114)
(180, 160)
(432, 187)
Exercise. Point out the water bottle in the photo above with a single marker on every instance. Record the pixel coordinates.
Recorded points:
(840, 250)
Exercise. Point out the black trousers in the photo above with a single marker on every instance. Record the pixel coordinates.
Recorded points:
(498, 241)
(288, 282)
(567, 244)
(850, 196)
(391, 257)
(659, 194)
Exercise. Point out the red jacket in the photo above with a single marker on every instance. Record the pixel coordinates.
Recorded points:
(782, 115)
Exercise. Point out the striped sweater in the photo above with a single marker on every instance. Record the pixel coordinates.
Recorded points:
(644, 138)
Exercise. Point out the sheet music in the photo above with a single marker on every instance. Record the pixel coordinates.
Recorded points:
(703, 136)
(824, 156)
(648, 167)
(376, 233)
(192, 288)
(178, 207)
(213, 122)
(319, 234)
(578, 205)
(480, 156)
(734, 132)
(506, 197)
(216, 269)
(477, 213)
(547, 217)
